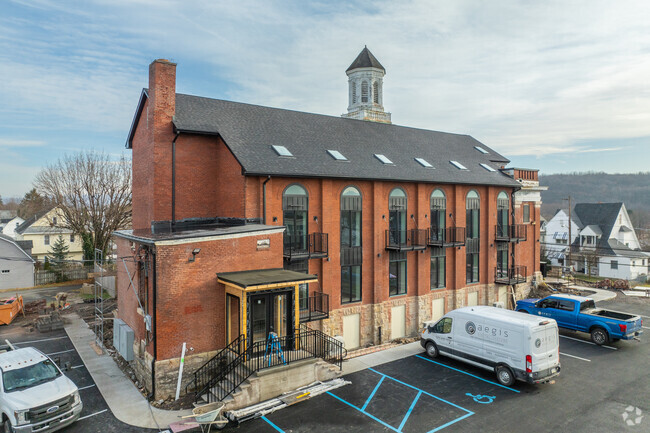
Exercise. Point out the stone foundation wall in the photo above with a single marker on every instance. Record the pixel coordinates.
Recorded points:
(418, 310)
(166, 370)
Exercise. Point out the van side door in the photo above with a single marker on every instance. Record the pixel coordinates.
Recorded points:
(442, 335)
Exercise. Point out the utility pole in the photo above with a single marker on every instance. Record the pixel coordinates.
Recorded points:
(569, 198)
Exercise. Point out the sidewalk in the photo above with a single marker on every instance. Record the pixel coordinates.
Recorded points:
(121, 395)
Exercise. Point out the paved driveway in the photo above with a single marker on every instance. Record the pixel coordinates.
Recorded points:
(601, 389)
(96, 416)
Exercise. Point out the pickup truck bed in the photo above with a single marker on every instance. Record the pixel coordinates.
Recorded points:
(580, 314)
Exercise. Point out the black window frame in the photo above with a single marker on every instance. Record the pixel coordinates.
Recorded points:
(347, 298)
(438, 269)
(473, 243)
(399, 260)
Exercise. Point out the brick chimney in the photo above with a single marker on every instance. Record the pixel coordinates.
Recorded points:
(152, 148)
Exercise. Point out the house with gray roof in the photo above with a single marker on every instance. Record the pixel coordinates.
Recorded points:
(16, 265)
(602, 239)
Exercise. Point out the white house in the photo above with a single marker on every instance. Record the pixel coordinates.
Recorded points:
(16, 265)
(602, 240)
(9, 228)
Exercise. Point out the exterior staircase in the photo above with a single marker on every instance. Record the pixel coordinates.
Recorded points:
(241, 375)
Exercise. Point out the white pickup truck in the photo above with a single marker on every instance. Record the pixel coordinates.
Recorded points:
(35, 395)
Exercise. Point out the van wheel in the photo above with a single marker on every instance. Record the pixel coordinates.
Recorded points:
(599, 336)
(432, 349)
(505, 376)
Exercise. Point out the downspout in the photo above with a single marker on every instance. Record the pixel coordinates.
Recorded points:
(174, 180)
(153, 330)
(264, 199)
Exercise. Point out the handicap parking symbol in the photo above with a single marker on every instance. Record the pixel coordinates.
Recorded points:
(483, 399)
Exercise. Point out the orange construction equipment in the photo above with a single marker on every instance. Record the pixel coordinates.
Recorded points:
(9, 309)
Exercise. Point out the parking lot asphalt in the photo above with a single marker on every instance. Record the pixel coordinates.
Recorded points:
(600, 389)
(96, 415)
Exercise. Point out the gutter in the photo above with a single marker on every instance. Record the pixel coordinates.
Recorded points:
(264, 199)
(174, 179)
(153, 329)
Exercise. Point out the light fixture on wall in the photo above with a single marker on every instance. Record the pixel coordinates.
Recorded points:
(195, 251)
(275, 219)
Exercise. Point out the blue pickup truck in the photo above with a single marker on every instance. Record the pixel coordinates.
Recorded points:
(580, 314)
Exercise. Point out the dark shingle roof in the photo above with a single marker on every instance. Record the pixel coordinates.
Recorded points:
(250, 130)
(29, 221)
(365, 59)
(602, 215)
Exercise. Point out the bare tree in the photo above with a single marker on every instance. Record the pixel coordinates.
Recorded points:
(93, 193)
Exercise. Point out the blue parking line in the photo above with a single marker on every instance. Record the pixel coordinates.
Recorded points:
(373, 393)
(271, 424)
(469, 374)
(408, 413)
(418, 389)
(364, 412)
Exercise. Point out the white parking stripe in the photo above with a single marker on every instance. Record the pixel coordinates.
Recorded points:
(92, 414)
(576, 357)
(86, 387)
(646, 327)
(587, 342)
(58, 353)
(38, 341)
(78, 366)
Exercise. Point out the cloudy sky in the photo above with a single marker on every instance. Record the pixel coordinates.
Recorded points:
(555, 85)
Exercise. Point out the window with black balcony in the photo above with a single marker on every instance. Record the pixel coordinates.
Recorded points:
(438, 215)
(351, 253)
(472, 243)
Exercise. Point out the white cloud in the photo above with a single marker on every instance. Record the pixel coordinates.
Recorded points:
(525, 78)
(8, 142)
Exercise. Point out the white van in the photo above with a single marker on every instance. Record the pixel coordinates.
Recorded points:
(513, 345)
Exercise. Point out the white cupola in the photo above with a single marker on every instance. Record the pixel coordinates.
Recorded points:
(365, 99)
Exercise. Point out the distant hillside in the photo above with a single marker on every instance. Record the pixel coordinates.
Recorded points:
(631, 189)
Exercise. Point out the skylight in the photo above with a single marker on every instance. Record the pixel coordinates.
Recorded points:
(424, 163)
(281, 150)
(458, 165)
(487, 167)
(480, 149)
(337, 155)
(383, 159)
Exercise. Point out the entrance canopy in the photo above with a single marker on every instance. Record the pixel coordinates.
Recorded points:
(264, 279)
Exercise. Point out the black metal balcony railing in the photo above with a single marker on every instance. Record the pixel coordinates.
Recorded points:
(311, 246)
(406, 240)
(449, 237)
(318, 308)
(511, 233)
(510, 275)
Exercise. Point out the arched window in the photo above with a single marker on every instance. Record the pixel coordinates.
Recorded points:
(438, 211)
(472, 244)
(364, 91)
(351, 255)
(503, 203)
(295, 205)
(353, 87)
(375, 92)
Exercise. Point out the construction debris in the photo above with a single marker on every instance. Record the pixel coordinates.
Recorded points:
(51, 322)
(284, 400)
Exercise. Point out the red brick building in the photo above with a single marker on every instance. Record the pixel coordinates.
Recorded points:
(363, 229)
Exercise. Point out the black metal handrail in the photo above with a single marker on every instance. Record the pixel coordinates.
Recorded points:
(510, 275)
(223, 379)
(318, 307)
(306, 246)
(511, 232)
(446, 237)
(204, 375)
(406, 240)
